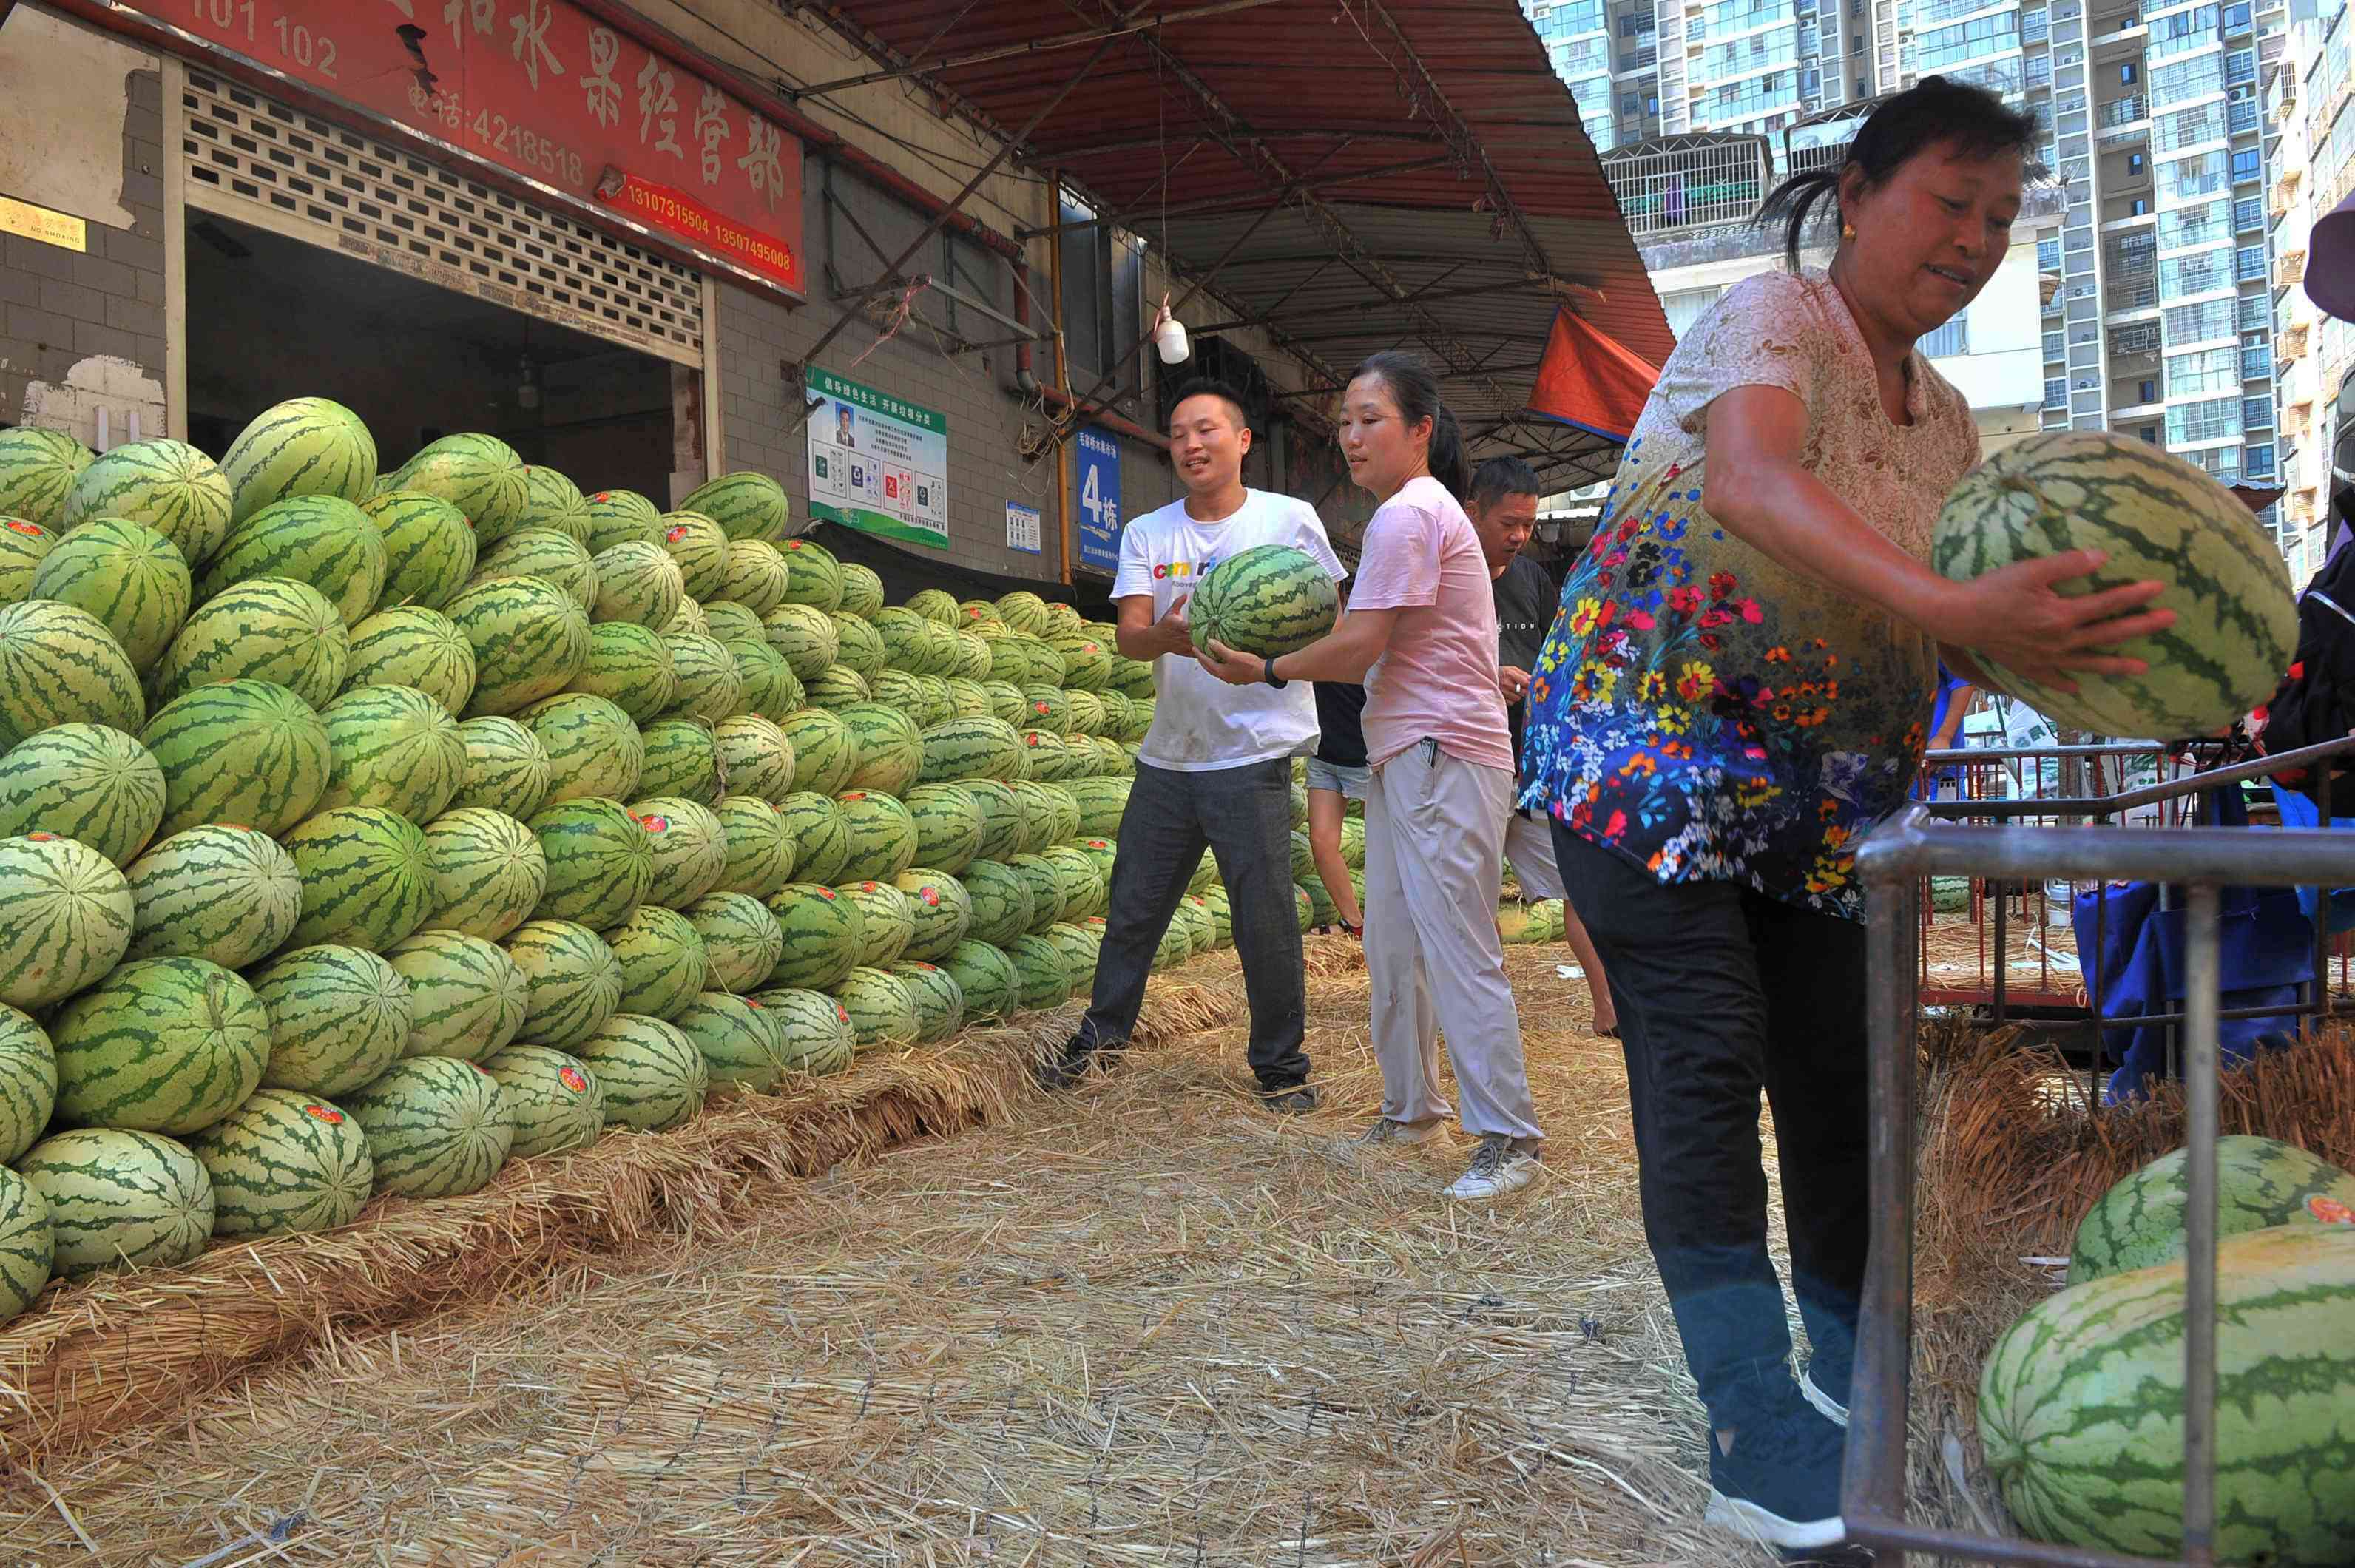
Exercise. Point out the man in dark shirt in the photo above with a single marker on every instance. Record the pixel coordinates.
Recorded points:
(1503, 509)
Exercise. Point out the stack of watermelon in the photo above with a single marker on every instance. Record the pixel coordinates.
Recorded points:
(361, 831)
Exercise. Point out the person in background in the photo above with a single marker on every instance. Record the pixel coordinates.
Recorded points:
(1736, 689)
(1336, 774)
(1421, 634)
(1215, 768)
(1503, 507)
(1957, 698)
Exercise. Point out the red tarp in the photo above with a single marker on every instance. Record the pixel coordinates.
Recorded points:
(1589, 381)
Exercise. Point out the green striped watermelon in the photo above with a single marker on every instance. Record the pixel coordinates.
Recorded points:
(741, 940)
(1004, 702)
(886, 921)
(860, 647)
(161, 1045)
(28, 1251)
(530, 639)
(804, 637)
(755, 758)
(1140, 717)
(821, 933)
(906, 646)
(690, 850)
(618, 514)
(1022, 611)
(506, 767)
(1087, 714)
(1049, 711)
(37, 472)
(936, 605)
(479, 475)
(2081, 1406)
(268, 629)
(682, 759)
(629, 666)
(303, 446)
(725, 621)
(544, 553)
(819, 832)
(395, 747)
(746, 505)
(815, 1031)
(862, 590)
(60, 665)
(763, 684)
(653, 1076)
(940, 1001)
(1047, 889)
(972, 749)
(119, 1200)
(1087, 662)
(284, 1164)
(756, 575)
(1101, 802)
(1041, 970)
(816, 575)
(428, 547)
(23, 547)
(128, 576)
(760, 849)
(1077, 946)
(1002, 907)
(889, 748)
(413, 646)
(882, 835)
(1009, 664)
(592, 748)
(1304, 908)
(66, 918)
(1048, 816)
(824, 753)
(321, 541)
(29, 1083)
(699, 546)
(2138, 1223)
(600, 864)
(240, 752)
(1102, 854)
(557, 1101)
(664, 965)
(436, 1127)
(168, 485)
(1134, 679)
(743, 1046)
(972, 663)
(882, 1013)
(637, 583)
(86, 781)
(366, 879)
(2154, 517)
(985, 978)
(1044, 665)
(485, 872)
(467, 997)
(1222, 917)
(230, 895)
(1083, 887)
(1002, 818)
(936, 704)
(948, 824)
(896, 689)
(690, 618)
(706, 686)
(552, 500)
(572, 980)
(1049, 757)
(1205, 871)
(1193, 917)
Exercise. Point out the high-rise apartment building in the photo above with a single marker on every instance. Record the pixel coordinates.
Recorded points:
(2309, 115)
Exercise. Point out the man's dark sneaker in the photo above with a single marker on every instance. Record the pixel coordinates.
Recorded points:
(1781, 1483)
(1825, 1384)
(1069, 1065)
(1296, 1101)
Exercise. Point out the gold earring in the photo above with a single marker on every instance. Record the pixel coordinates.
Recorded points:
(1848, 231)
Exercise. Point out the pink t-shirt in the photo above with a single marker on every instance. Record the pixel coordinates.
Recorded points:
(1437, 677)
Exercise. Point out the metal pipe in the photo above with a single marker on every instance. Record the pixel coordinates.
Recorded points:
(1063, 388)
(2202, 983)
(1909, 844)
(1891, 1534)
(1028, 47)
(1228, 206)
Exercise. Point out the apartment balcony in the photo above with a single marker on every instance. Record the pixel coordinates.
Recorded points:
(2291, 343)
(2138, 341)
(2123, 120)
(2289, 268)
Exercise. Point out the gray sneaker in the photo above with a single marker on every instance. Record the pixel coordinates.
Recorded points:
(1499, 1165)
(1387, 1133)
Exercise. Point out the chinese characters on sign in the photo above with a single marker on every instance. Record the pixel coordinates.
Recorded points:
(876, 464)
(1021, 527)
(544, 89)
(1095, 459)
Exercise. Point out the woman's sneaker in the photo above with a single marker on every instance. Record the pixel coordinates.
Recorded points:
(1781, 1482)
(1387, 1133)
(1825, 1385)
(1499, 1165)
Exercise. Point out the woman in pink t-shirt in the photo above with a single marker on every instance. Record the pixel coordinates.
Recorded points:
(1421, 633)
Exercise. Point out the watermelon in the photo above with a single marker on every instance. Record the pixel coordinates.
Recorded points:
(1045, 885)
(756, 576)
(1177, 945)
(972, 663)
(690, 850)
(529, 638)
(936, 605)
(395, 747)
(1221, 917)
(1087, 663)
(479, 475)
(592, 748)
(706, 686)
(573, 982)
(985, 978)
(1086, 714)
(28, 1251)
(618, 514)
(467, 997)
(682, 759)
(743, 1046)
(862, 590)
(1049, 758)
(637, 583)
(816, 575)
(557, 1101)
(166, 486)
(66, 918)
(906, 647)
(690, 618)
(896, 689)
(1078, 948)
(1048, 816)
(1002, 902)
(948, 823)
(664, 965)
(506, 767)
(1082, 886)
(85, 781)
(1195, 919)
(939, 1000)
(413, 646)
(230, 895)
(824, 753)
(2138, 1223)
(819, 833)
(119, 1200)
(651, 1075)
(1049, 711)
(804, 637)
(304, 446)
(323, 541)
(763, 684)
(128, 576)
(822, 934)
(23, 547)
(629, 666)
(600, 864)
(741, 939)
(1205, 871)
(1102, 854)
(939, 912)
(886, 921)
(889, 747)
(284, 1163)
(881, 1011)
(1002, 818)
(859, 646)
(760, 848)
(755, 758)
(29, 1083)
(39, 469)
(746, 505)
(1140, 719)
(429, 548)
(60, 665)
(2081, 1406)
(544, 553)
(1023, 611)
(1043, 665)
(699, 546)
(729, 622)
(2154, 515)
(882, 836)
(1304, 909)
(1005, 684)
(552, 500)
(1043, 978)
(242, 750)
(267, 628)
(1102, 803)
(485, 873)
(366, 881)
(972, 749)
(161, 1045)
(815, 1032)
(436, 1127)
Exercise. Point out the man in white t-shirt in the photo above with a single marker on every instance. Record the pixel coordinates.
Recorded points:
(1215, 770)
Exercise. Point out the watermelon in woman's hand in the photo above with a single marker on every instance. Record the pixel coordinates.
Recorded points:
(1268, 599)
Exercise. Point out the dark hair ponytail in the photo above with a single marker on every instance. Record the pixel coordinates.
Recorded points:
(1934, 111)
(1416, 392)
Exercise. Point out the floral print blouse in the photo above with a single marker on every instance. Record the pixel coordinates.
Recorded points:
(1702, 710)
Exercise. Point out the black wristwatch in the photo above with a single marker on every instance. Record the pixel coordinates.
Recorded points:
(1267, 673)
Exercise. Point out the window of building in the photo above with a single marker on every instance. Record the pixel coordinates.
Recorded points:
(2048, 255)
(2218, 419)
(2134, 164)
(1651, 104)
(2205, 370)
(2236, 18)
(2148, 433)
(1685, 306)
(2138, 207)
(2253, 316)
(2056, 391)
(1103, 277)
(2257, 461)
(1951, 339)
(2249, 212)
(2257, 413)
(2147, 390)
(2127, 73)
(2247, 164)
(2249, 264)
(2240, 65)
(2190, 324)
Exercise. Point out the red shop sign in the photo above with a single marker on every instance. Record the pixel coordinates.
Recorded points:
(544, 89)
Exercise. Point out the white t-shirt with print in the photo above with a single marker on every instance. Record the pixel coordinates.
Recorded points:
(1200, 722)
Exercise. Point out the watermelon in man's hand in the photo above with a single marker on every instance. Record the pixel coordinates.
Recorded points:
(1268, 599)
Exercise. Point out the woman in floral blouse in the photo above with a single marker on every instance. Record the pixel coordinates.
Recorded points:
(1737, 687)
